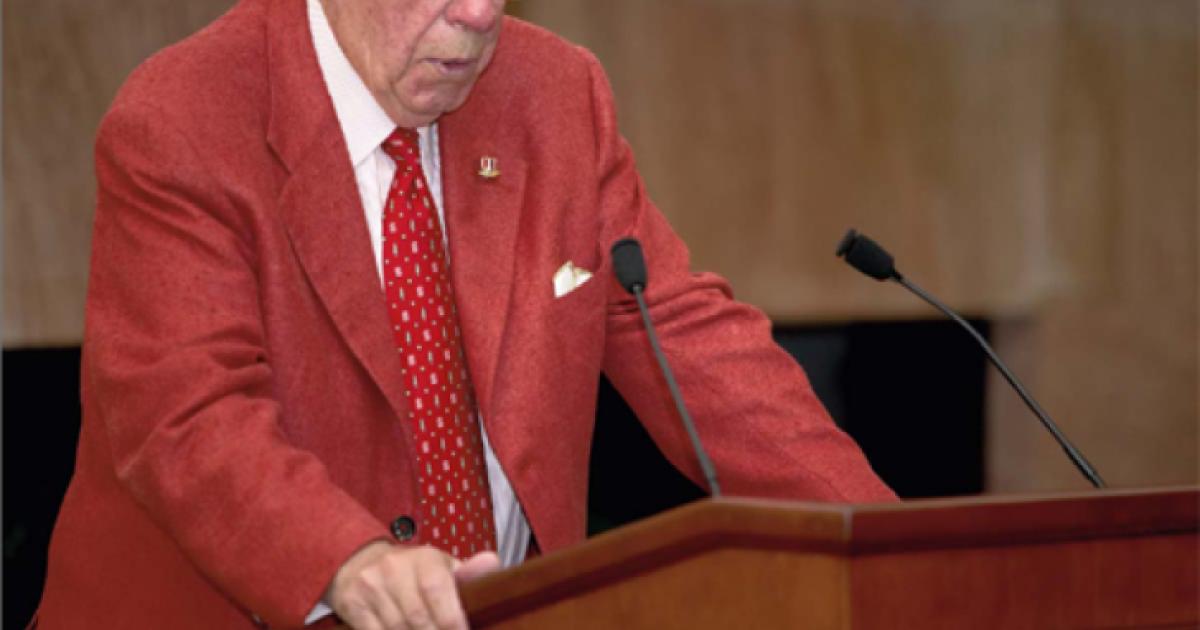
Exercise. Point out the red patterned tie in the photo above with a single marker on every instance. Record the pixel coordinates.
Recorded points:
(456, 514)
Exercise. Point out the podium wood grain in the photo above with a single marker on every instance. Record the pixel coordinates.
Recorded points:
(1118, 559)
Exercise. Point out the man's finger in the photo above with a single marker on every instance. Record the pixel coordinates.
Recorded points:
(477, 566)
(438, 587)
(386, 610)
(361, 616)
(407, 592)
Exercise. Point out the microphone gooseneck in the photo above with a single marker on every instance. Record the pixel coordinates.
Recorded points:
(870, 258)
(630, 268)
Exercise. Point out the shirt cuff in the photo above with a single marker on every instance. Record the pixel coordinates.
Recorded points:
(319, 612)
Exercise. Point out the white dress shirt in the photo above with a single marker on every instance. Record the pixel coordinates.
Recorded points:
(365, 126)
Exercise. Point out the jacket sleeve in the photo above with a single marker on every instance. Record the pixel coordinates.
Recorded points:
(175, 355)
(763, 426)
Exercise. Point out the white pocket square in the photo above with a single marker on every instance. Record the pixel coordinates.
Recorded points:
(568, 278)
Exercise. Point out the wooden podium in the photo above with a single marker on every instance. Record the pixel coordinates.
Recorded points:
(1113, 559)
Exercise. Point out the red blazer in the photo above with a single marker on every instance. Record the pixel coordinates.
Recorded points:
(244, 419)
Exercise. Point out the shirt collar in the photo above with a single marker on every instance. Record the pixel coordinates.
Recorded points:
(364, 123)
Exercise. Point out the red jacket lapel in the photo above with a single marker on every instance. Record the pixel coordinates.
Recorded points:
(319, 203)
(483, 216)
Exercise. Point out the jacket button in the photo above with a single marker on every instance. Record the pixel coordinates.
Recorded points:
(404, 528)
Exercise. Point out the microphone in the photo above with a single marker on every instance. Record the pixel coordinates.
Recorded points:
(869, 258)
(629, 266)
(630, 269)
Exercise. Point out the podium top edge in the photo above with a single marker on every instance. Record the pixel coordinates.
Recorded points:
(935, 503)
(983, 520)
(846, 530)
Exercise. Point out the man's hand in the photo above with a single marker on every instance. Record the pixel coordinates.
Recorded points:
(386, 587)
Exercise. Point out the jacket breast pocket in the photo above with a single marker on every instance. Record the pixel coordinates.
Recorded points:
(574, 323)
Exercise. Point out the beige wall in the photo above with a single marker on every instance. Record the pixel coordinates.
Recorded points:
(1114, 348)
(1032, 161)
(63, 62)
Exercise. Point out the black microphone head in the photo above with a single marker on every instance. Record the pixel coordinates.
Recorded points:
(867, 256)
(628, 264)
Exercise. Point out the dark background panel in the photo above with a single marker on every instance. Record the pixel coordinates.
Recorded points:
(41, 429)
(910, 393)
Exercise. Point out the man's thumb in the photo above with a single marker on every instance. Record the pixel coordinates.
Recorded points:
(477, 566)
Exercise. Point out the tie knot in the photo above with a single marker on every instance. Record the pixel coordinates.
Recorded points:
(403, 145)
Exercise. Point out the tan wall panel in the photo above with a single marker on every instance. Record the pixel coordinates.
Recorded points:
(764, 129)
(1033, 162)
(63, 62)
(1114, 353)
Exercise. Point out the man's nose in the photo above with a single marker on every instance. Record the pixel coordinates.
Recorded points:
(475, 15)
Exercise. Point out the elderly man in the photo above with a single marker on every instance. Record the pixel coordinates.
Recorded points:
(349, 305)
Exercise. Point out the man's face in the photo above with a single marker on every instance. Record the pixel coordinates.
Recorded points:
(420, 58)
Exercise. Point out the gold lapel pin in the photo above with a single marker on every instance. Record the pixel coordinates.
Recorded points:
(489, 167)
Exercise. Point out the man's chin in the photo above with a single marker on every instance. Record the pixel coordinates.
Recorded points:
(424, 113)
